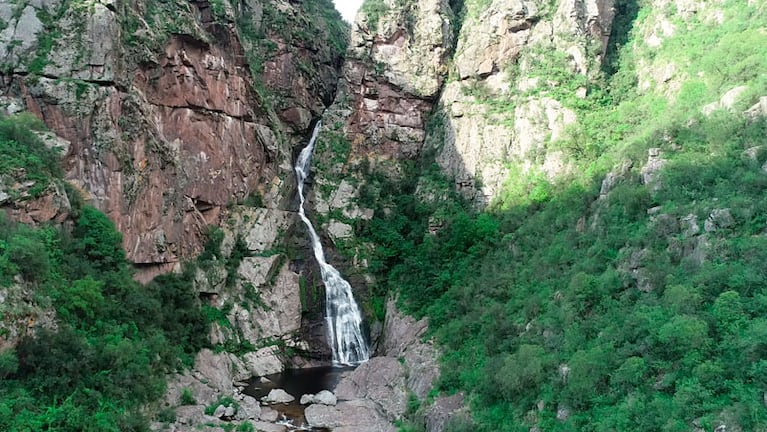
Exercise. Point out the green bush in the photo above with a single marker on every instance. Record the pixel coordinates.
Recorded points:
(187, 398)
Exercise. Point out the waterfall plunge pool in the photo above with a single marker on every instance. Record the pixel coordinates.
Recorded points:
(296, 382)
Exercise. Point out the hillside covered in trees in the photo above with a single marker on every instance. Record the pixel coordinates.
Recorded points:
(571, 193)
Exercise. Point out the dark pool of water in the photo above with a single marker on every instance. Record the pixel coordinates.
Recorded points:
(296, 382)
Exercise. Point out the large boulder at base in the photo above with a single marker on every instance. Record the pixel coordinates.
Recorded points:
(350, 416)
(380, 380)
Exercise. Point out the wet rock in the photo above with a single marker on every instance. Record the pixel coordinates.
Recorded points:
(276, 396)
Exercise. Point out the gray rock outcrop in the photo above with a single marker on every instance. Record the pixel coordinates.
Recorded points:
(349, 416)
(401, 339)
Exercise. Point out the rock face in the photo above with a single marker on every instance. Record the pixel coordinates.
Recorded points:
(496, 111)
(402, 340)
(380, 380)
(163, 116)
(393, 73)
(493, 116)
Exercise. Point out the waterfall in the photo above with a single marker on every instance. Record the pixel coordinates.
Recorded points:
(341, 311)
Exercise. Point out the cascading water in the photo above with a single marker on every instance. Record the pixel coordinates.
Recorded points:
(341, 311)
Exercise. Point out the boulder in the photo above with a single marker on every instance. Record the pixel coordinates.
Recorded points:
(324, 397)
(757, 110)
(350, 416)
(380, 380)
(229, 412)
(402, 339)
(276, 396)
(249, 408)
(268, 414)
(220, 411)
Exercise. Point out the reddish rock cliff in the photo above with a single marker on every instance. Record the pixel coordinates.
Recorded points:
(173, 111)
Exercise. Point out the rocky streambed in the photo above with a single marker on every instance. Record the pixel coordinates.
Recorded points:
(291, 391)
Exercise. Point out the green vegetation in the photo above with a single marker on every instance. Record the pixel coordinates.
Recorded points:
(114, 339)
(226, 401)
(25, 156)
(374, 9)
(639, 310)
(515, 295)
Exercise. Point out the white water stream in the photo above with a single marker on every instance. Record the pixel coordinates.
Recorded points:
(342, 314)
